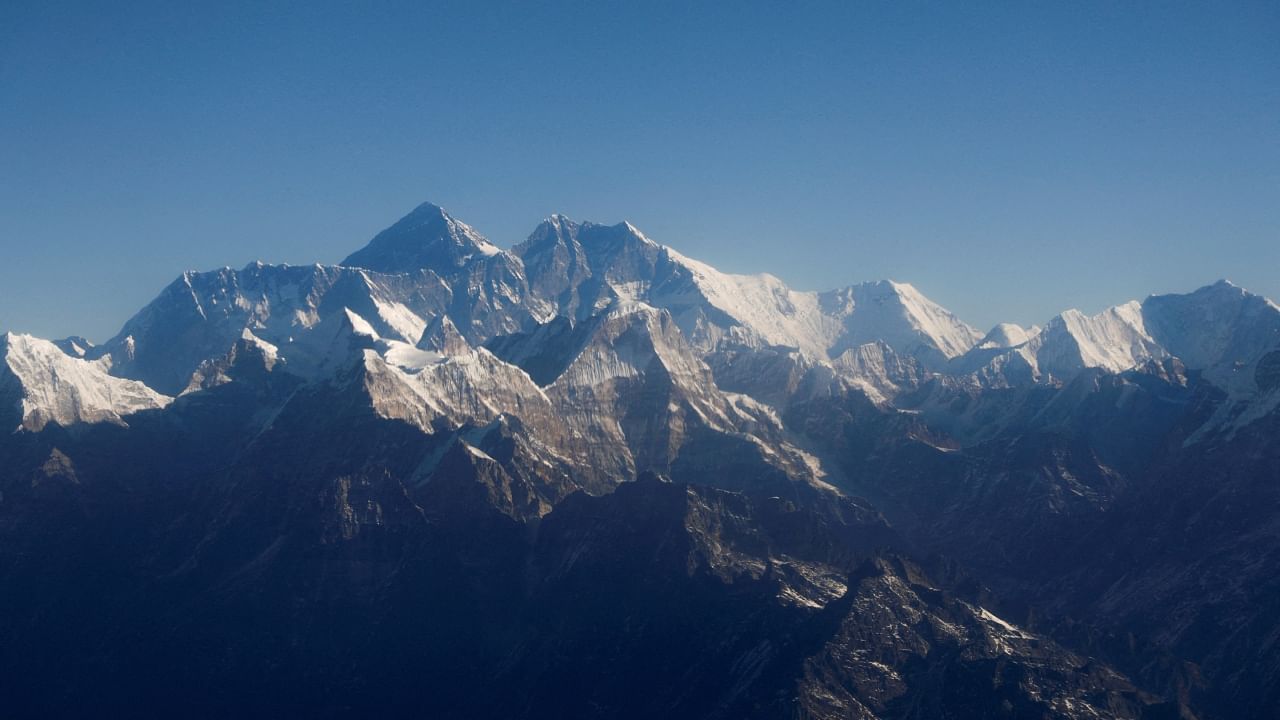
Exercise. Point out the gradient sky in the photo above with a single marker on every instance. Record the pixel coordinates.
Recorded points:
(1010, 160)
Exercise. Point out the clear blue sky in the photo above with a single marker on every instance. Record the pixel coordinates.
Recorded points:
(1010, 160)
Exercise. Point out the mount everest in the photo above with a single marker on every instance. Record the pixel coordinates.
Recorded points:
(623, 483)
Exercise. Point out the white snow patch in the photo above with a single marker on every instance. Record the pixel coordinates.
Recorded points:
(59, 388)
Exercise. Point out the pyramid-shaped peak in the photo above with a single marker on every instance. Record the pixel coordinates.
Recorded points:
(1007, 335)
(427, 209)
(630, 229)
(443, 336)
(626, 224)
(428, 237)
(1225, 288)
(556, 226)
(904, 318)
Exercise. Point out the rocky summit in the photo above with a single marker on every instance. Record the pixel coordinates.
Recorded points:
(590, 477)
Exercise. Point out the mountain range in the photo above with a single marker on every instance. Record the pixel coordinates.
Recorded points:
(588, 476)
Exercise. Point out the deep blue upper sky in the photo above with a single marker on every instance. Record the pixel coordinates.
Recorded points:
(1010, 160)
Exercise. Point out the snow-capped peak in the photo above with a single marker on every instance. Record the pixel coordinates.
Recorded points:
(1006, 335)
(1115, 339)
(52, 386)
(1220, 328)
(635, 231)
(901, 317)
(428, 237)
(564, 260)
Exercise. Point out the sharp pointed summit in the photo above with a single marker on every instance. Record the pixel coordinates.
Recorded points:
(436, 412)
(429, 237)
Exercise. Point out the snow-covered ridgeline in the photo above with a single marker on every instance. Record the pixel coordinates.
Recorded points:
(433, 283)
(49, 385)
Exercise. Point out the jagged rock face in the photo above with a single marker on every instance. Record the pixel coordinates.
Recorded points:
(879, 371)
(1202, 597)
(635, 392)
(201, 315)
(839, 639)
(450, 480)
(556, 263)
(249, 361)
(1121, 527)
(442, 336)
(412, 574)
(960, 660)
(772, 375)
